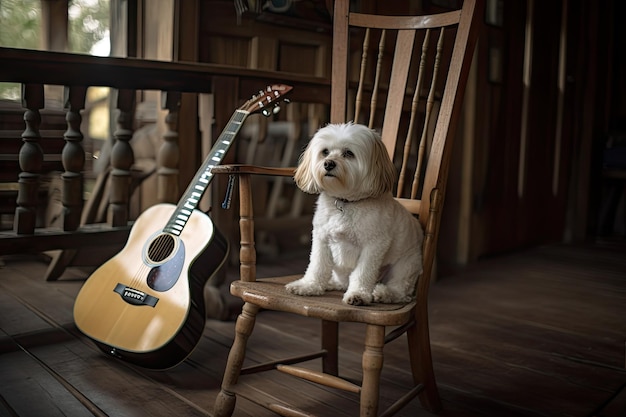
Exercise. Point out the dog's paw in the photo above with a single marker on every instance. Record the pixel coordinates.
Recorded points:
(383, 294)
(357, 298)
(305, 287)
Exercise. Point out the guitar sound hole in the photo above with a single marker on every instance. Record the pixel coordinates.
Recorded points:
(161, 248)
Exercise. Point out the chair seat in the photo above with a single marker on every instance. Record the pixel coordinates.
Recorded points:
(270, 293)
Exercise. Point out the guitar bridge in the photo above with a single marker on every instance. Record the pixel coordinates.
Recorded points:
(135, 297)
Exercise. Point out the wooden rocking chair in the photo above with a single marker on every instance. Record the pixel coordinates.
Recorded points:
(415, 100)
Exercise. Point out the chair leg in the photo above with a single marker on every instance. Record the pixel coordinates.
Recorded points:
(330, 340)
(422, 363)
(225, 401)
(372, 366)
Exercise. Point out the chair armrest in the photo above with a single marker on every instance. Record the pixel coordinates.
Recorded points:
(247, 253)
(253, 169)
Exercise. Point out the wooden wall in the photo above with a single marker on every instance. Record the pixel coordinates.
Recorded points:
(546, 90)
(537, 117)
(526, 158)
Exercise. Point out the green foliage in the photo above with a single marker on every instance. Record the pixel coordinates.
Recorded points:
(88, 24)
(20, 23)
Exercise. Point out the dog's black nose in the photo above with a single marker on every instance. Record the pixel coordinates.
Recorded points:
(329, 165)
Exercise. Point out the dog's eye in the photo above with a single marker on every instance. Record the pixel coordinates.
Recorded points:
(348, 153)
(325, 152)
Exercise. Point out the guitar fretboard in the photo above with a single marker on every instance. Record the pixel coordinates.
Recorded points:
(203, 177)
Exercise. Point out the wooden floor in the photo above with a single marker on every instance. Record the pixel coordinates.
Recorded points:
(535, 333)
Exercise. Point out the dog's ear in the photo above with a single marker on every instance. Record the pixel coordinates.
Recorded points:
(384, 172)
(303, 176)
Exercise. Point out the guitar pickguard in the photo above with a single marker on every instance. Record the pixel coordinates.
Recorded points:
(165, 253)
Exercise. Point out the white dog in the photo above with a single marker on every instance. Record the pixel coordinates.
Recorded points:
(364, 242)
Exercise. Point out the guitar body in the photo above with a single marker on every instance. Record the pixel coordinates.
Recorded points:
(146, 305)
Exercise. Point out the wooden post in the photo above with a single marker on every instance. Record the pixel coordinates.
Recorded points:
(122, 159)
(73, 158)
(54, 25)
(30, 159)
(169, 153)
(226, 90)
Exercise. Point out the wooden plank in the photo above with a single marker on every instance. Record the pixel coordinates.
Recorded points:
(100, 381)
(100, 378)
(48, 301)
(29, 387)
(532, 334)
(15, 318)
(106, 382)
(497, 299)
(615, 406)
(59, 68)
(28, 390)
(527, 318)
(44, 239)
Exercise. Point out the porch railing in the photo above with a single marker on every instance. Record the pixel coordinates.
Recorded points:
(34, 69)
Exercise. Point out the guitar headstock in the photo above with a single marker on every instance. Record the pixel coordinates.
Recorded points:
(267, 101)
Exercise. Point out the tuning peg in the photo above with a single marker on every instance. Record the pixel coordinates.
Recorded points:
(276, 109)
(266, 112)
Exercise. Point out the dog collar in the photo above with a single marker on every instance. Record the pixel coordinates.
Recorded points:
(339, 203)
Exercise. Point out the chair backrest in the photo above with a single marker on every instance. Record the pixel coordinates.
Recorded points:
(405, 76)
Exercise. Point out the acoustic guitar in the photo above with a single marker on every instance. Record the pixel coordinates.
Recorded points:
(145, 305)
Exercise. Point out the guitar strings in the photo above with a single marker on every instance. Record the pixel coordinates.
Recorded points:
(160, 248)
(140, 275)
(164, 243)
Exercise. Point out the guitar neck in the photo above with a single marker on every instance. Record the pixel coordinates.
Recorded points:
(204, 176)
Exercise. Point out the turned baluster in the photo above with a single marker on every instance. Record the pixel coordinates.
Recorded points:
(30, 159)
(169, 153)
(73, 158)
(122, 159)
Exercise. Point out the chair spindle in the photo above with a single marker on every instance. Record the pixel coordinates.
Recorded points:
(429, 106)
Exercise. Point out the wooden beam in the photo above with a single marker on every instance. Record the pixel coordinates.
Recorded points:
(29, 66)
(93, 235)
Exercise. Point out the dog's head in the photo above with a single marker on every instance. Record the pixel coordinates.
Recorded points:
(347, 161)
